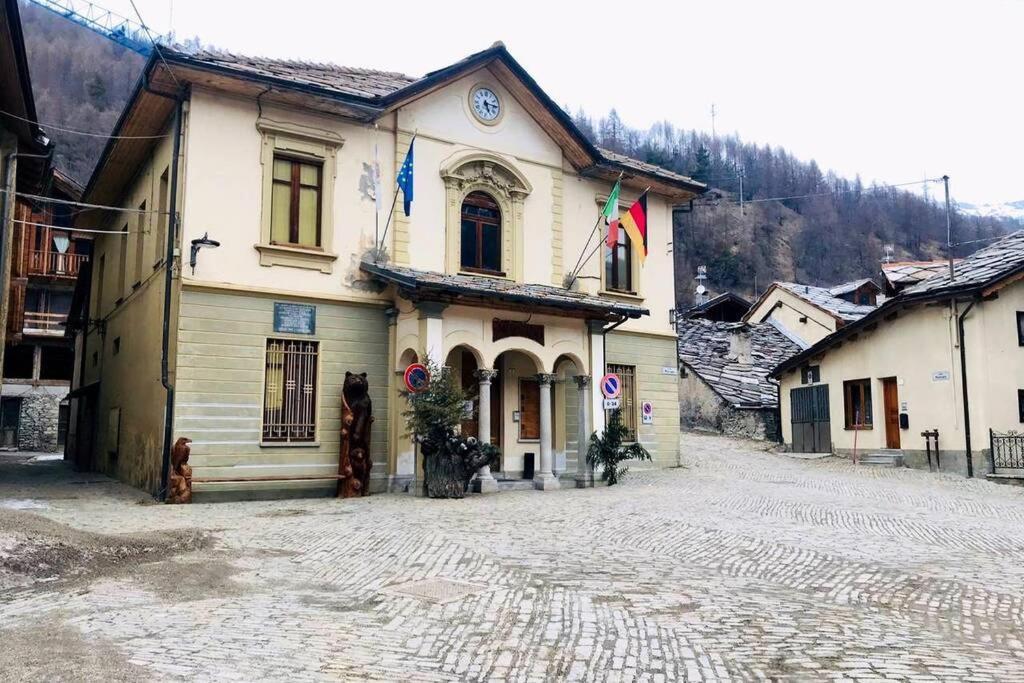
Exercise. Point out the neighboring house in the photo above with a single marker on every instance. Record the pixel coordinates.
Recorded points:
(899, 275)
(724, 308)
(276, 164)
(24, 155)
(724, 384)
(807, 314)
(46, 257)
(944, 355)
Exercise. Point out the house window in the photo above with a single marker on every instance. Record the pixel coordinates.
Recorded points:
(529, 410)
(1020, 328)
(618, 265)
(295, 204)
(162, 219)
(122, 265)
(810, 374)
(857, 404)
(627, 399)
(289, 393)
(141, 228)
(481, 234)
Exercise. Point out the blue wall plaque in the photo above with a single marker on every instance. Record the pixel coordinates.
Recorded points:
(294, 318)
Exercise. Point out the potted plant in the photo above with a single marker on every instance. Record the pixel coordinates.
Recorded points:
(608, 452)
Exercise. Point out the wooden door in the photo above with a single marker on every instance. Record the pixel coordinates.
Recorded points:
(891, 399)
(470, 384)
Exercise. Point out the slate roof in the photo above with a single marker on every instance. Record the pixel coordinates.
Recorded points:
(825, 299)
(980, 268)
(643, 166)
(972, 275)
(853, 286)
(903, 273)
(347, 80)
(723, 298)
(707, 349)
(439, 286)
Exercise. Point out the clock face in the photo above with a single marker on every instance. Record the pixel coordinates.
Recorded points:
(485, 104)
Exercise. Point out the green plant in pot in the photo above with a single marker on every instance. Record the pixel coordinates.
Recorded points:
(449, 459)
(608, 451)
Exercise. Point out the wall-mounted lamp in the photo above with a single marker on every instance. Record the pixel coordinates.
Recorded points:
(198, 244)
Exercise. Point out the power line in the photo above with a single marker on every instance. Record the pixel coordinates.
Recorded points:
(67, 229)
(874, 188)
(156, 48)
(53, 126)
(68, 202)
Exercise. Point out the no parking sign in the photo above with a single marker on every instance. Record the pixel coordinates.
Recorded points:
(417, 378)
(647, 413)
(611, 386)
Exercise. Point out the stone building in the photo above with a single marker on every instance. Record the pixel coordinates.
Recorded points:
(724, 385)
(276, 165)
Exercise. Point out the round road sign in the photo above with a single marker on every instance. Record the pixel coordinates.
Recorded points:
(611, 387)
(417, 378)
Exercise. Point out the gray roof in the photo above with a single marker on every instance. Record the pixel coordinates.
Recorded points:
(852, 286)
(903, 273)
(824, 298)
(980, 268)
(347, 80)
(716, 353)
(432, 286)
(643, 166)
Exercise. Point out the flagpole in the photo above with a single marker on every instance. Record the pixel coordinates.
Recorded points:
(394, 200)
(598, 246)
(590, 237)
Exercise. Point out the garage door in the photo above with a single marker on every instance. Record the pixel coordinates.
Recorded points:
(812, 432)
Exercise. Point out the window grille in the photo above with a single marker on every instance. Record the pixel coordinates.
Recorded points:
(627, 398)
(289, 394)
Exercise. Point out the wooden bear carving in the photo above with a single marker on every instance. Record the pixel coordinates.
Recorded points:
(356, 418)
(180, 484)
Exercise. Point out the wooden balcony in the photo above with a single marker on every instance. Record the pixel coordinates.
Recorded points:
(55, 264)
(50, 324)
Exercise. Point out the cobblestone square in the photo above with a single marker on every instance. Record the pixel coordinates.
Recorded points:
(743, 564)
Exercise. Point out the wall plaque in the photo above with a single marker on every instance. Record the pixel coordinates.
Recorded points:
(294, 318)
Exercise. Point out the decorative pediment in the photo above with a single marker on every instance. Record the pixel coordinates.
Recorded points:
(487, 170)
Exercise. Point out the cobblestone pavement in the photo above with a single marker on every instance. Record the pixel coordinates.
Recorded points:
(741, 565)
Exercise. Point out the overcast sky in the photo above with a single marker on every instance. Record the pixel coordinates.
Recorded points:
(893, 90)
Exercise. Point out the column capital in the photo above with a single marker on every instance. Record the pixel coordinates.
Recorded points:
(391, 314)
(545, 378)
(485, 375)
(431, 309)
(582, 381)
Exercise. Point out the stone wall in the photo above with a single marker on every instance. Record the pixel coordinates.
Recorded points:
(37, 422)
(701, 409)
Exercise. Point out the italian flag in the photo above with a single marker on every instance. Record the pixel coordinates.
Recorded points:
(635, 223)
(611, 207)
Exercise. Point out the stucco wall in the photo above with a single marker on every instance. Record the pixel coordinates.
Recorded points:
(655, 361)
(920, 349)
(220, 389)
(787, 309)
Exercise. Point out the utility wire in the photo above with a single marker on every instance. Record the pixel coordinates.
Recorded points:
(68, 202)
(156, 47)
(53, 126)
(874, 188)
(64, 228)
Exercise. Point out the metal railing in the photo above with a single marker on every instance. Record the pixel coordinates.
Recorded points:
(1006, 451)
(55, 263)
(47, 323)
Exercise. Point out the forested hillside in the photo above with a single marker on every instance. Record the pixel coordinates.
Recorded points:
(832, 229)
(81, 81)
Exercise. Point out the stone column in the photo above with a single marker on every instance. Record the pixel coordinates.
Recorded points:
(485, 481)
(596, 330)
(432, 330)
(545, 479)
(584, 474)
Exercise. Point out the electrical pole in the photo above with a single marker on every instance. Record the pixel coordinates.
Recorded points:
(712, 120)
(739, 172)
(949, 230)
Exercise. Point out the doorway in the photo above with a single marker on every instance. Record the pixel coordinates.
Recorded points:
(811, 421)
(891, 401)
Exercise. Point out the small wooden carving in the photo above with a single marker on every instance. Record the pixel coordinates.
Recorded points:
(180, 486)
(356, 418)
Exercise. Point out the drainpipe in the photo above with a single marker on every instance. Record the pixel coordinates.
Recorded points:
(963, 383)
(172, 229)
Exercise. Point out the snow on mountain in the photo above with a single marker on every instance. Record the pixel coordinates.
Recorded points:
(1012, 210)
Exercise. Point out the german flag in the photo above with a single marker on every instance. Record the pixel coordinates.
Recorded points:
(634, 222)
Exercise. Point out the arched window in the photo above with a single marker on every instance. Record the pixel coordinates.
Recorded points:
(481, 234)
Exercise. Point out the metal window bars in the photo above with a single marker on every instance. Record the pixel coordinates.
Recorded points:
(290, 391)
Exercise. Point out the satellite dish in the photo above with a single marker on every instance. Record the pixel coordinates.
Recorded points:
(701, 289)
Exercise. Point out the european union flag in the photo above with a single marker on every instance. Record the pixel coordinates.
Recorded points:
(405, 179)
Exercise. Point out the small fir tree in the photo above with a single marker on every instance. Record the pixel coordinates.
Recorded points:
(608, 452)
